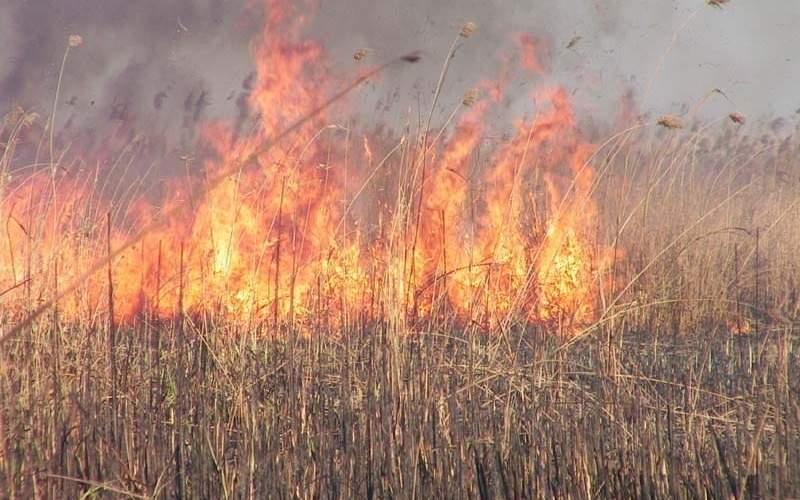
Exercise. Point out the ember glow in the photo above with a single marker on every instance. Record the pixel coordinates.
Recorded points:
(331, 224)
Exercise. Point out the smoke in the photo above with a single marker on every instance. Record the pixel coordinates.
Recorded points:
(745, 48)
(165, 66)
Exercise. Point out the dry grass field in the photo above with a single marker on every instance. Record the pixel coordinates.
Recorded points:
(318, 309)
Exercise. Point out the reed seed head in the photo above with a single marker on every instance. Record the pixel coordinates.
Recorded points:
(572, 43)
(470, 97)
(737, 118)
(412, 57)
(671, 122)
(14, 115)
(467, 30)
(361, 54)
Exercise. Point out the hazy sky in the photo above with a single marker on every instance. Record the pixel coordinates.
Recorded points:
(166, 62)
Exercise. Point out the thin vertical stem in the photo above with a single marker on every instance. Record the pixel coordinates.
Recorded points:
(278, 256)
(111, 334)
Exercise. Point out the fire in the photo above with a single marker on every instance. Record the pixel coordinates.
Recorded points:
(503, 230)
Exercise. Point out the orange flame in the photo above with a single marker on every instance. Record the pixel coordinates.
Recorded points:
(503, 232)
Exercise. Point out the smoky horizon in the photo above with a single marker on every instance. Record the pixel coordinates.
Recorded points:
(162, 68)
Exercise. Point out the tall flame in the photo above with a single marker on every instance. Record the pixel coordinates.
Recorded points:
(502, 231)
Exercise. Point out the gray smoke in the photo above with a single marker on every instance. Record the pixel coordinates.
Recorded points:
(164, 66)
(154, 64)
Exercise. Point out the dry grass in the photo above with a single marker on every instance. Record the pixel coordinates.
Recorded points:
(682, 388)
(438, 414)
(657, 399)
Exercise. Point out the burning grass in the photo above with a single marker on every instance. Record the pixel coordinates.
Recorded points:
(333, 311)
(280, 228)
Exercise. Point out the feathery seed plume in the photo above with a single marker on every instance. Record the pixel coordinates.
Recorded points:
(361, 54)
(737, 118)
(670, 121)
(467, 30)
(470, 97)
